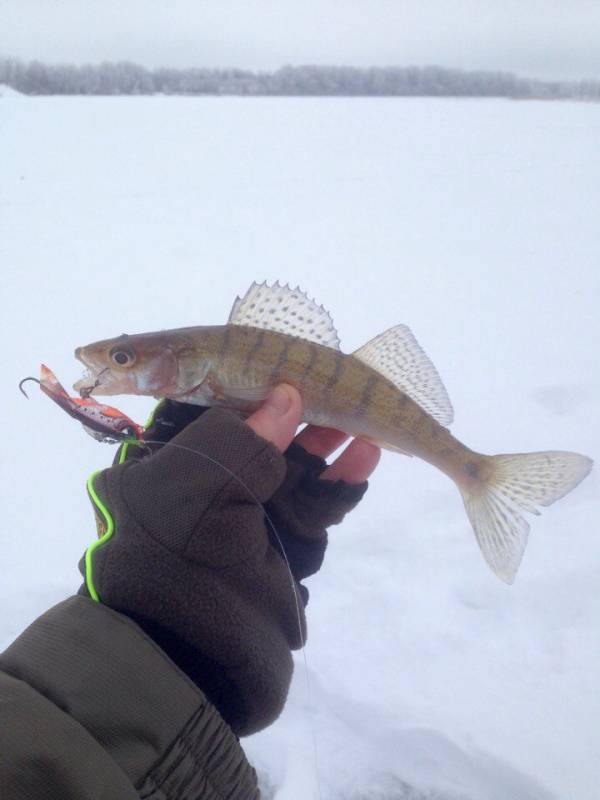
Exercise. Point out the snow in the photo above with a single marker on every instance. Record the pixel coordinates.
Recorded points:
(474, 222)
(8, 91)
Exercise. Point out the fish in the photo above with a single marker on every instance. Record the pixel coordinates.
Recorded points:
(387, 392)
(104, 423)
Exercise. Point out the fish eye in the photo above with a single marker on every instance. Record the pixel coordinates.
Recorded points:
(122, 356)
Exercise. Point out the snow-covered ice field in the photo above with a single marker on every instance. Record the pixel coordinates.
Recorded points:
(476, 223)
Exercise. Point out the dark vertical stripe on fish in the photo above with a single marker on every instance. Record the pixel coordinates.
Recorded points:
(398, 419)
(365, 398)
(249, 358)
(224, 344)
(332, 381)
(422, 420)
(281, 359)
(314, 352)
(398, 422)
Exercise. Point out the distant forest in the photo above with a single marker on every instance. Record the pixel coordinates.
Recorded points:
(36, 78)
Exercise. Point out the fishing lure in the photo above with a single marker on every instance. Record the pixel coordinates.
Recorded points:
(104, 423)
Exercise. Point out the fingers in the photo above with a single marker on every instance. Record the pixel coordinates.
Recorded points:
(355, 464)
(277, 421)
(278, 418)
(320, 441)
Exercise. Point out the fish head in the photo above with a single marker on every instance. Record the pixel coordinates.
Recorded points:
(144, 364)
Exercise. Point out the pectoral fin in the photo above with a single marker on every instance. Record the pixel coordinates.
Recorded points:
(251, 394)
(384, 445)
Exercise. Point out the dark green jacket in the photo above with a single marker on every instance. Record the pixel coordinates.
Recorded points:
(109, 699)
(92, 709)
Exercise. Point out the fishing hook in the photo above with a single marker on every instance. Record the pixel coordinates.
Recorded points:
(22, 390)
(86, 391)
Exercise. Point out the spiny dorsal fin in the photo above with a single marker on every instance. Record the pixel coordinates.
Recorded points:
(284, 310)
(397, 355)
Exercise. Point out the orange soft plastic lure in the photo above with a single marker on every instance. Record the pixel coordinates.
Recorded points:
(103, 422)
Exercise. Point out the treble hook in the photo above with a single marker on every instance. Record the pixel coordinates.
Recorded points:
(25, 381)
(87, 390)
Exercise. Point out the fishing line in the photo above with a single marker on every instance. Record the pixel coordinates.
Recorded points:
(289, 569)
(85, 394)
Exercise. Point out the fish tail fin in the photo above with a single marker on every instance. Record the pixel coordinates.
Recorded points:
(496, 490)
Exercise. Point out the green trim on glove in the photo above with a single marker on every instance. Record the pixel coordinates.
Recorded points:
(110, 527)
(124, 448)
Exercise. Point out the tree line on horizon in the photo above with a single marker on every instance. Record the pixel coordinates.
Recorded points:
(126, 78)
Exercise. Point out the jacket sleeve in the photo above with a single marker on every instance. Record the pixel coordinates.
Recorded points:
(92, 709)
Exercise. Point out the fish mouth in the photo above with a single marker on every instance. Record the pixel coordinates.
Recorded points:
(88, 383)
(152, 374)
(99, 378)
(92, 377)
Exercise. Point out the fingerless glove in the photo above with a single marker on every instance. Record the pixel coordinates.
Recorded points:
(186, 551)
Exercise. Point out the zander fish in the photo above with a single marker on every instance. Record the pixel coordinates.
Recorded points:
(387, 392)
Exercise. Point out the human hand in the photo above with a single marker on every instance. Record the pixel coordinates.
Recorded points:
(278, 419)
(190, 557)
(313, 495)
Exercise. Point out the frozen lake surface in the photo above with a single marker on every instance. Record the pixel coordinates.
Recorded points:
(473, 221)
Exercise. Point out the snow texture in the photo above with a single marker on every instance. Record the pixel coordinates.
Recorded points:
(473, 222)
(8, 91)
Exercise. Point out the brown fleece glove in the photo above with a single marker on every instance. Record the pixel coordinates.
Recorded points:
(191, 558)
(301, 509)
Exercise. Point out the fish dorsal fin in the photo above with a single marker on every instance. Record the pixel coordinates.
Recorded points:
(284, 310)
(397, 355)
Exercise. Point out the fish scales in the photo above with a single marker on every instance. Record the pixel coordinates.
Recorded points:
(351, 392)
(387, 392)
(258, 359)
(252, 358)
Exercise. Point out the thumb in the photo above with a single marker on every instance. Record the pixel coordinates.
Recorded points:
(279, 416)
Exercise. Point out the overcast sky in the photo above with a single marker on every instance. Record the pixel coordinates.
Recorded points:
(545, 38)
